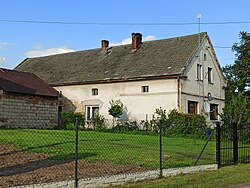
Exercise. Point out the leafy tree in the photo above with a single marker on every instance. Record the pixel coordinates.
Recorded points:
(238, 81)
(237, 110)
(116, 109)
(238, 74)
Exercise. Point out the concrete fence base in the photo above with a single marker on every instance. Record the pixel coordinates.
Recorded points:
(123, 178)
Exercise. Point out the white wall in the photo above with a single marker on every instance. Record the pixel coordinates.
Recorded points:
(138, 105)
(192, 88)
(162, 93)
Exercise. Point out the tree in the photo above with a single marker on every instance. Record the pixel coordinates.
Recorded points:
(238, 74)
(237, 110)
(238, 83)
(116, 109)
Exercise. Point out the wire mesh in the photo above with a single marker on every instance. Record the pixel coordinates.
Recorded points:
(33, 156)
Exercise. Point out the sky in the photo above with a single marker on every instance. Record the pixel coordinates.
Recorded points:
(32, 28)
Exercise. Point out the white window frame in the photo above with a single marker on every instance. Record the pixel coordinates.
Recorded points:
(89, 111)
(199, 72)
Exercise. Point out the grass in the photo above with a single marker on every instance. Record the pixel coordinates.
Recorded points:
(133, 149)
(224, 177)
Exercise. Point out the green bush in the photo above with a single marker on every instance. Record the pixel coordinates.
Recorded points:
(125, 127)
(192, 125)
(68, 120)
(98, 122)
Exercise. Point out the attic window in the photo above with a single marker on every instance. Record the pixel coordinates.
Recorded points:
(199, 72)
(145, 89)
(210, 75)
(205, 57)
(94, 91)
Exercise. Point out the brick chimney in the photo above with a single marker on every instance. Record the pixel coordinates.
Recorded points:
(105, 45)
(136, 40)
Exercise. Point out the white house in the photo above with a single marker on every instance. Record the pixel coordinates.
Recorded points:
(177, 73)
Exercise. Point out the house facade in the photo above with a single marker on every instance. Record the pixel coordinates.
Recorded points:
(180, 73)
(26, 101)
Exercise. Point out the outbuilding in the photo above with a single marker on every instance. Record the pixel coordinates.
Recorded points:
(26, 101)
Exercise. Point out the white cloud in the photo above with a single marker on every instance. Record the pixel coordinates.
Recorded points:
(129, 40)
(2, 60)
(3, 44)
(39, 52)
(149, 38)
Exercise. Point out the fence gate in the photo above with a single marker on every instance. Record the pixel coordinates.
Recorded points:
(233, 144)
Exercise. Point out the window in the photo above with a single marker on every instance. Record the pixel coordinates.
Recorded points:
(192, 107)
(199, 72)
(145, 89)
(210, 75)
(205, 57)
(91, 112)
(94, 91)
(214, 111)
(60, 109)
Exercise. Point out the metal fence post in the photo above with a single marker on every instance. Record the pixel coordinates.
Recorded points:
(76, 155)
(218, 144)
(160, 148)
(235, 143)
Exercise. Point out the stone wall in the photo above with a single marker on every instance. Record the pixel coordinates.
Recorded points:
(27, 111)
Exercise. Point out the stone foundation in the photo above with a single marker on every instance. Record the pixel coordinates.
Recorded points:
(123, 178)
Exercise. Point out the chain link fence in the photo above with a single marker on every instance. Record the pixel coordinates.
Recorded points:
(33, 156)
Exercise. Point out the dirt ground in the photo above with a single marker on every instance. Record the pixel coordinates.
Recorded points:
(19, 167)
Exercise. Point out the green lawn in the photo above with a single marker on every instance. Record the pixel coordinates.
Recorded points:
(225, 177)
(119, 148)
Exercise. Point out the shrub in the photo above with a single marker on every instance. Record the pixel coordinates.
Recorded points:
(68, 120)
(125, 127)
(193, 125)
(98, 122)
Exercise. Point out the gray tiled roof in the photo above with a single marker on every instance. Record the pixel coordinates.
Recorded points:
(153, 59)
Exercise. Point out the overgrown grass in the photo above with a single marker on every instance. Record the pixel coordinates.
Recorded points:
(133, 149)
(229, 176)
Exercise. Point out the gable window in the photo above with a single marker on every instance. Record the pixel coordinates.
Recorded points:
(210, 75)
(205, 57)
(91, 112)
(192, 107)
(145, 89)
(94, 91)
(199, 72)
(214, 111)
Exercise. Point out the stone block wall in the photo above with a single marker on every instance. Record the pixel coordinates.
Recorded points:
(27, 111)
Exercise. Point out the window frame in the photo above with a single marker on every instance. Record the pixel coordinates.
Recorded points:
(199, 72)
(145, 89)
(95, 91)
(210, 75)
(214, 111)
(205, 57)
(90, 111)
(195, 103)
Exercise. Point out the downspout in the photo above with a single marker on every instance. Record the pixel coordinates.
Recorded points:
(178, 93)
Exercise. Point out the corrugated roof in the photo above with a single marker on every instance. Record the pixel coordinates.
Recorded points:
(153, 58)
(25, 83)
